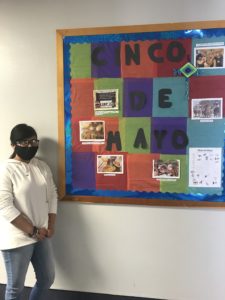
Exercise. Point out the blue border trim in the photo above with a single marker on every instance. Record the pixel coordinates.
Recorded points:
(142, 36)
(206, 33)
(67, 115)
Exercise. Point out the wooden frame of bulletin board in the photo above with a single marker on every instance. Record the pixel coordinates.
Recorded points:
(141, 114)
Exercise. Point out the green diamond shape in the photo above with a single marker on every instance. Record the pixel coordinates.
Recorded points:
(188, 69)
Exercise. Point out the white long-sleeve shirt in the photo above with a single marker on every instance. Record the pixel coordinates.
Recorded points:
(28, 189)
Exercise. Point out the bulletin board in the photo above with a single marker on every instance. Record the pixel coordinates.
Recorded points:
(142, 114)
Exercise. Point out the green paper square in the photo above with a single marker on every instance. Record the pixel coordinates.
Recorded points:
(177, 185)
(80, 60)
(111, 84)
(128, 131)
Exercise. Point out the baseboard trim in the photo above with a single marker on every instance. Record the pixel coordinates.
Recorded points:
(72, 295)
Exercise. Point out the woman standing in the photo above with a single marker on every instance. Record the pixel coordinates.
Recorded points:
(28, 206)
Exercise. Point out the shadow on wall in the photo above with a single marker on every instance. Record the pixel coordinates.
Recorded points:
(76, 264)
(48, 152)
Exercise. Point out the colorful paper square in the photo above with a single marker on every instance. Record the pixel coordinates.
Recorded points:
(169, 136)
(170, 97)
(80, 60)
(135, 61)
(137, 97)
(135, 134)
(139, 173)
(82, 98)
(205, 134)
(207, 87)
(107, 84)
(83, 170)
(117, 182)
(105, 60)
(176, 185)
(173, 54)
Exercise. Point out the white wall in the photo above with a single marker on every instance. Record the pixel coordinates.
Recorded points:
(169, 253)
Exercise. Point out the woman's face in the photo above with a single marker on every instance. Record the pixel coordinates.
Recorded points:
(26, 149)
(28, 142)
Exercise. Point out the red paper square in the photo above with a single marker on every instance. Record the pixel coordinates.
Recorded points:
(82, 102)
(207, 87)
(139, 173)
(116, 182)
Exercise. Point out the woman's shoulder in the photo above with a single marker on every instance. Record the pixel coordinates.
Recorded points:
(10, 162)
(38, 162)
(8, 165)
(41, 164)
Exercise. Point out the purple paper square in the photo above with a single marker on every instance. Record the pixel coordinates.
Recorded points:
(83, 170)
(105, 60)
(169, 135)
(138, 94)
